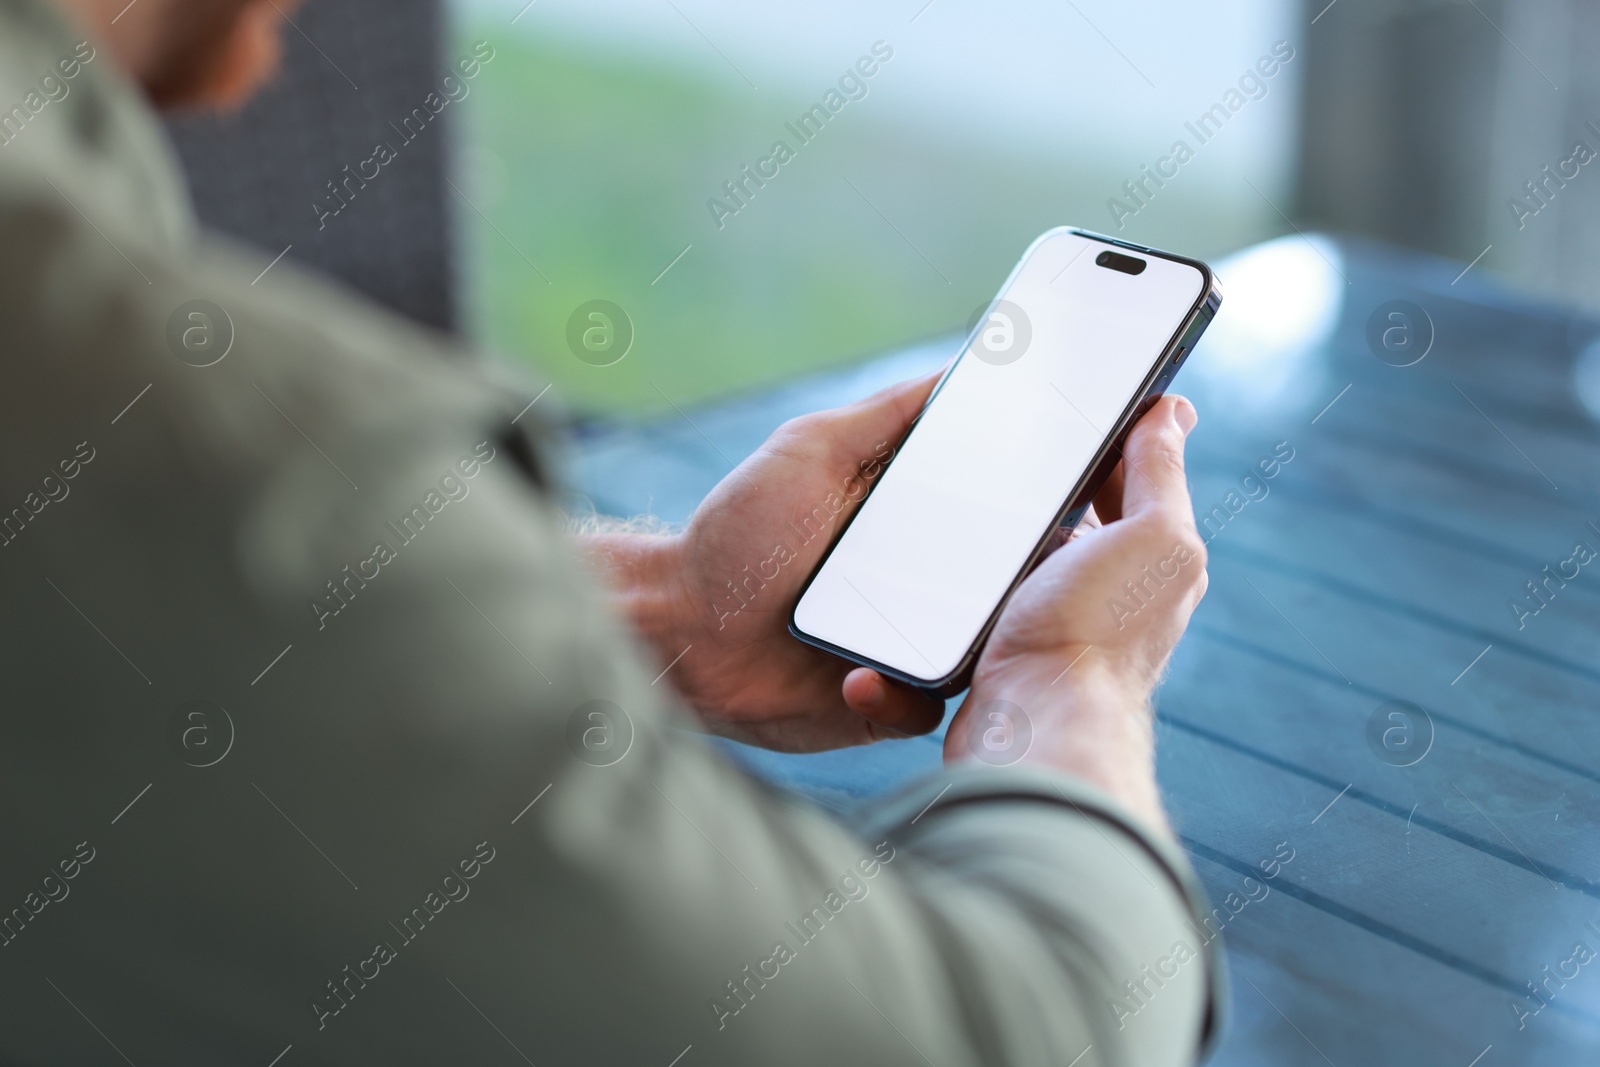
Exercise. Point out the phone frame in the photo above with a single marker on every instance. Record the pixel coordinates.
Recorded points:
(1161, 373)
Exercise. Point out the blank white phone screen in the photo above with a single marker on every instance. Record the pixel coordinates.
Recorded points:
(995, 456)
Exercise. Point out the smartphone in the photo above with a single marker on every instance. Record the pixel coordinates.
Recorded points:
(1021, 431)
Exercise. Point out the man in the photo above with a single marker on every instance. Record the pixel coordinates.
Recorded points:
(319, 747)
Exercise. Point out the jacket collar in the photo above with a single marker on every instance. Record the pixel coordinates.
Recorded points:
(69, 118)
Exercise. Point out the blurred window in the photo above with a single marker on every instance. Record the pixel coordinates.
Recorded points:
(601, 142)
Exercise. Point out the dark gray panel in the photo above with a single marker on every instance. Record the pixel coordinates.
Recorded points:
(353, 71)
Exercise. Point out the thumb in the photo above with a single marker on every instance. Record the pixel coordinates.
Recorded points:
(1154, 483)
(887, 414)
(890, 710)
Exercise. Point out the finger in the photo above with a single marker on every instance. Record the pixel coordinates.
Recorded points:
(1108, 501)
(1155, 483)
(1062, 535)
(894, 710)
(888, 413)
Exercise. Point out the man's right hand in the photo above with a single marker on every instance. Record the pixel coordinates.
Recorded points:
(1069, 668)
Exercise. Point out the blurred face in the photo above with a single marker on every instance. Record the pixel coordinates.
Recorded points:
(213, 52)
(206, 53)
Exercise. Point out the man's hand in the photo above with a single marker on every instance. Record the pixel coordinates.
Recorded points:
(1072, 662)
(724, 587)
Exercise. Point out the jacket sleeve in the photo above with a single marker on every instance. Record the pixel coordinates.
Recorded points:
(447, 815)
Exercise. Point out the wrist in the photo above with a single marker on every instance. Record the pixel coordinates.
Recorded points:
(643, 575)
(1092, 722)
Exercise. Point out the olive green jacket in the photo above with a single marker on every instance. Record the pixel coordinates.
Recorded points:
(318, 742)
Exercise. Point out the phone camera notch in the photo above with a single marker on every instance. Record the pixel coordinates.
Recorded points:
(1118, 261)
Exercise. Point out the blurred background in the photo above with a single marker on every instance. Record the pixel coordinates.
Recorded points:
(586, 160)
(599, 145)
(580, 166)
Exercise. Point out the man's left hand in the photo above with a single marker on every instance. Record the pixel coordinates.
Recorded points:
(719, 593)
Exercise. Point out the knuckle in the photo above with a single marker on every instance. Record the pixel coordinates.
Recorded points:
(1167, 531)
(1164, 451)
(1195, 567)
(801, 426)
(1177, 548)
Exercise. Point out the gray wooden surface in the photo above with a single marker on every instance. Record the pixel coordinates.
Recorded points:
(1376, 566)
